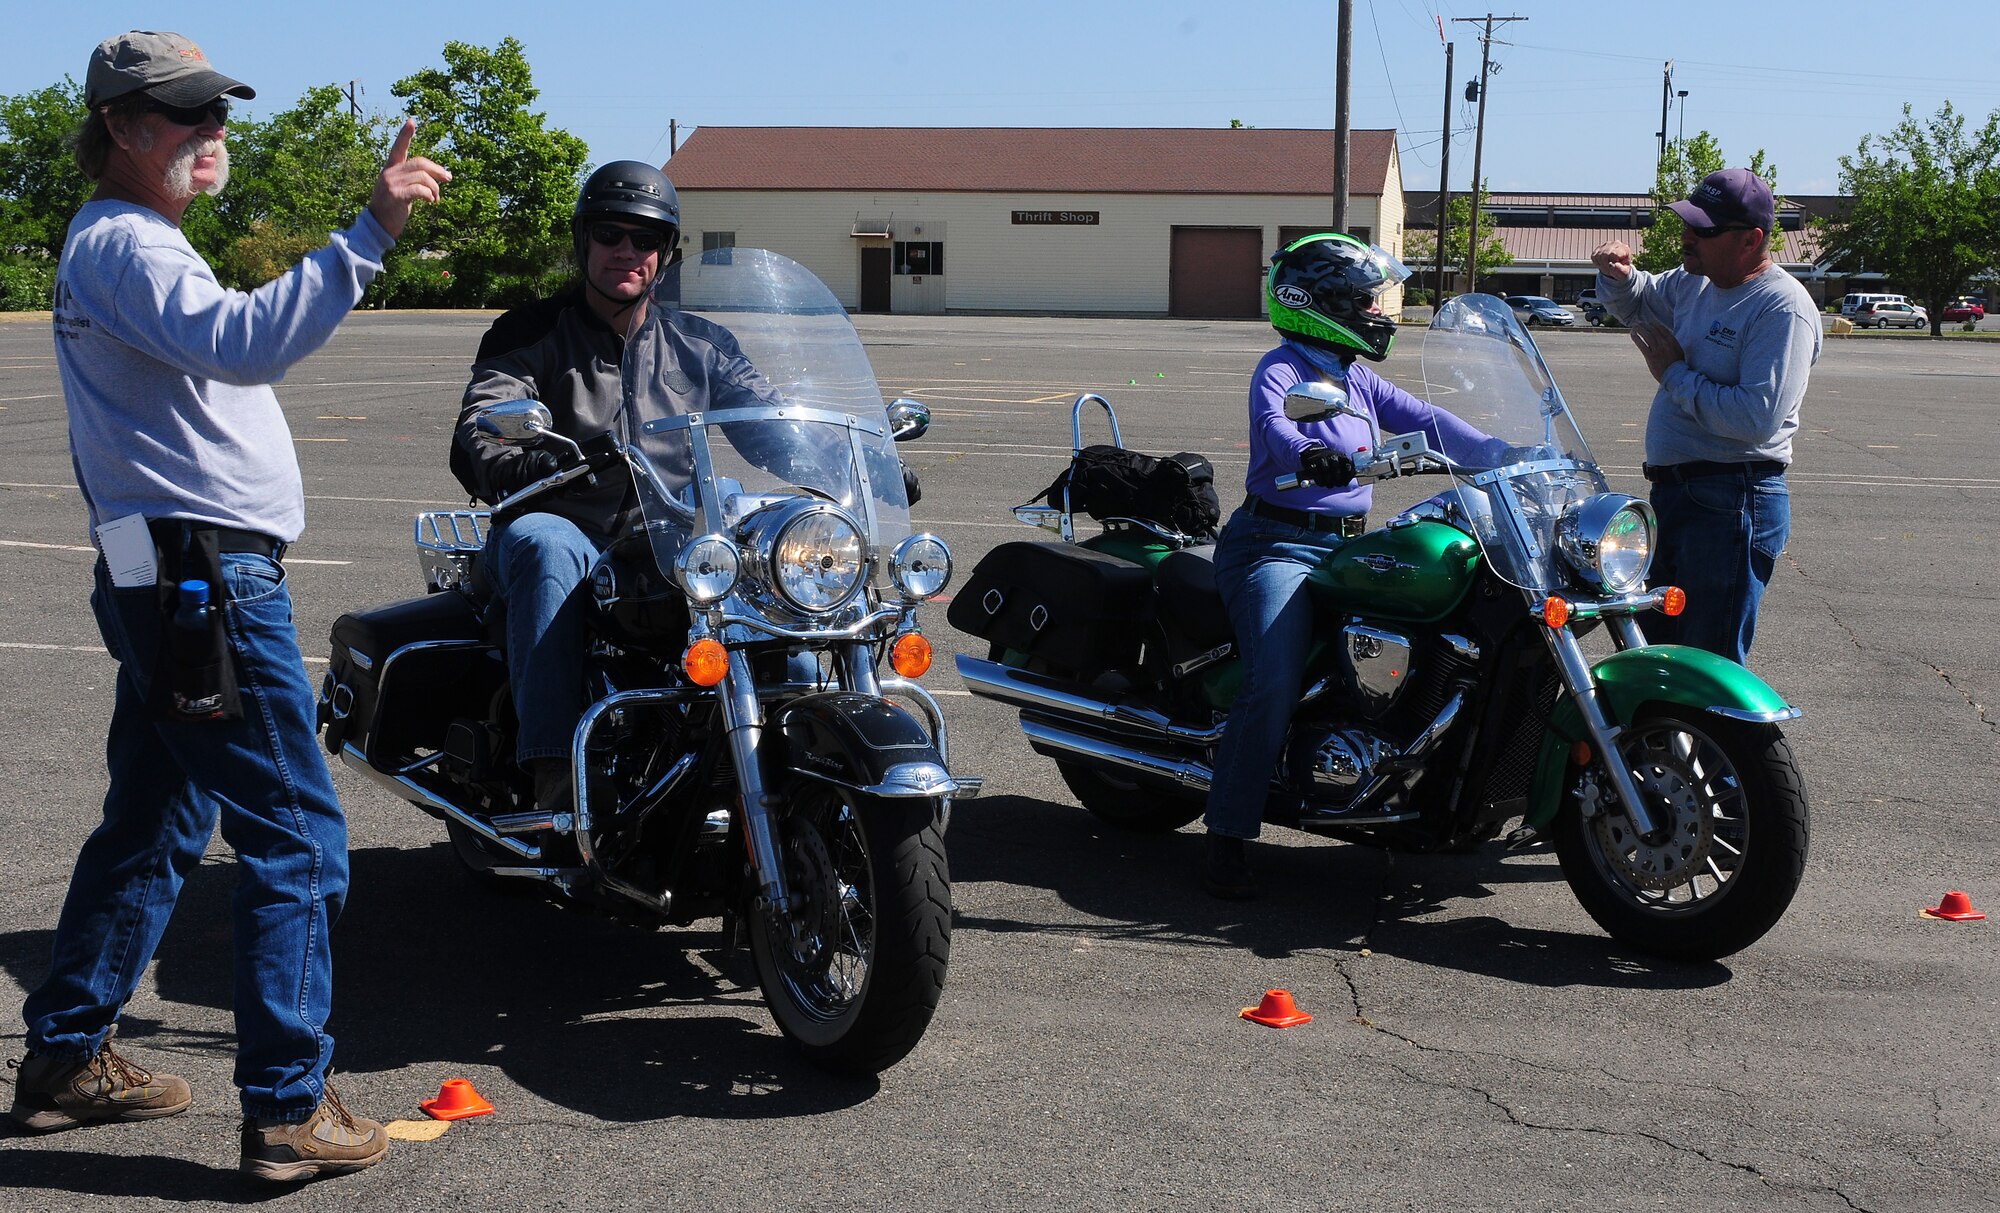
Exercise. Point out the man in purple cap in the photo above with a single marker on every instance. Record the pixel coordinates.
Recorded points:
(188, 472)
(1730, 338)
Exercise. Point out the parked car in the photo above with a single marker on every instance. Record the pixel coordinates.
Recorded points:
(1600, 316)
(1889, 315)
(1532, 310)
(1587, 299)
(1964, 308)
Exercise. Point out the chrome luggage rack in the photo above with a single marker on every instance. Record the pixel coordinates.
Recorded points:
(446, 542)
(1062, 519)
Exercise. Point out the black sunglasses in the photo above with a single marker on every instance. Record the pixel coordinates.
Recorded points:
(610, 235)
(215, 112)
(1710, 233)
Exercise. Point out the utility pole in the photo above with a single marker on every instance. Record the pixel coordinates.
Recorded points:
(1666, 97)
(1444, 172)
(353, 106)
(1479, 140)
(1343, 62)
(673, 137)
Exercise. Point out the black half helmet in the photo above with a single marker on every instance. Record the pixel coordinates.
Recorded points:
(1320, 290)
(627, 191)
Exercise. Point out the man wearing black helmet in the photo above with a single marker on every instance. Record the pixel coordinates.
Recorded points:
(565, 351)
(1322, 296)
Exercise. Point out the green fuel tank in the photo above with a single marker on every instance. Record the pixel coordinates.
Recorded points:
(1417, 573)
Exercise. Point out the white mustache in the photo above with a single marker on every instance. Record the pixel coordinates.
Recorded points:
(180, 170)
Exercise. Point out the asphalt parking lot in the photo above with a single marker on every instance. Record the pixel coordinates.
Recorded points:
(1478, 1043)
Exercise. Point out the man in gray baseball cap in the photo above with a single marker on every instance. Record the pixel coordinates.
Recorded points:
(192, 484)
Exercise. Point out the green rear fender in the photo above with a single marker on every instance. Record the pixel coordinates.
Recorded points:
(1661, 673)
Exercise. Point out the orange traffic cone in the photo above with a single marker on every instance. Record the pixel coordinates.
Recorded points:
(1956, 907)
(1276, 1011)
(456, 1100)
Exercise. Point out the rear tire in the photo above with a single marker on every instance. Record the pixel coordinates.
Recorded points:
(854, 973)
(1735, 805)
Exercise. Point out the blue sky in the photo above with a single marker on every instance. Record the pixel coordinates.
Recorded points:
(1574, 107)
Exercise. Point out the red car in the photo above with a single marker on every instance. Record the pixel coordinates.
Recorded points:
(1964, 309)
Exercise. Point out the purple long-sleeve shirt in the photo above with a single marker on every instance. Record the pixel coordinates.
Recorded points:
(1276, 441)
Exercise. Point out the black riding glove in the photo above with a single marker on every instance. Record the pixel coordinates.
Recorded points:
(912, 491)
(523, 470)
(1326, 467)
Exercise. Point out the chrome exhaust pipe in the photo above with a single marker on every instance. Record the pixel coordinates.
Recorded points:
(1047, 738)
(1057, 698)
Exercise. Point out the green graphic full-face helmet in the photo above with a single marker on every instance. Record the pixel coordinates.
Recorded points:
(1321, 290)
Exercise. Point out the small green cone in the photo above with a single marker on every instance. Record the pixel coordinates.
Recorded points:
(1159, 374)
(1132, 382)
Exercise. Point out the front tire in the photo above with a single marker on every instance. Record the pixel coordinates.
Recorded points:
(854, 972)
(1735, 807)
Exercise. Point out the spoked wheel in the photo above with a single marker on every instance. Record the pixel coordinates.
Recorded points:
(854, 969)
(1732, 844)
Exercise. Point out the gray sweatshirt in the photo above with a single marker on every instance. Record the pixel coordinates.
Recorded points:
(167, 374)
(1748, 349)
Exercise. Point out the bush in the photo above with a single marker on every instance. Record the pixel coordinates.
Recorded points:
(27, 283)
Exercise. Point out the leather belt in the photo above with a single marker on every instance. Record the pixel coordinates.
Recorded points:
(1680, 473)
(1347, 526)
(167, 532)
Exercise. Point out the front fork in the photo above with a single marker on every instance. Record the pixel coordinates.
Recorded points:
(1591, 707)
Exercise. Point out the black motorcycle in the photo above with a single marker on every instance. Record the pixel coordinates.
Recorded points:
(741, 755)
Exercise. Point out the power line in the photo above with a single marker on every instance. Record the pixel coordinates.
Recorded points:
(1386, 73)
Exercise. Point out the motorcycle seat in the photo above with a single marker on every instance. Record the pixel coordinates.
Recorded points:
(1188, 596)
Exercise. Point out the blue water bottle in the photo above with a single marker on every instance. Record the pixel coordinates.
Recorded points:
(191, 609)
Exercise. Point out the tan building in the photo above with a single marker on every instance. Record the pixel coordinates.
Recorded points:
(1113, 221)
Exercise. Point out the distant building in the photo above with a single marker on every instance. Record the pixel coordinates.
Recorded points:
(1551, 237)
(1141, 222)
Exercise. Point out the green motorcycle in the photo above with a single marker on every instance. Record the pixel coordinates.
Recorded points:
(1481, 661)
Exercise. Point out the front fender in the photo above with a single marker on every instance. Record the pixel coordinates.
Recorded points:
(1629, 680)
(861, 742)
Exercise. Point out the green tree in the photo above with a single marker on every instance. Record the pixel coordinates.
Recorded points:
(500, 234)
(1686, 162)
(1922, 209)
(40, 189)
(1420, 246)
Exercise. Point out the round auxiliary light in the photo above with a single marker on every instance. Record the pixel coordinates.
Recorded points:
(921, 567)
(708, 568)
(818, 560)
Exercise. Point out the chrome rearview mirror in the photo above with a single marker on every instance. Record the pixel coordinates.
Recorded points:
(908, 419)
(514, 422)
(1317, 401)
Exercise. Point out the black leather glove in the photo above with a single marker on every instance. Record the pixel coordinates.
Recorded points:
(523, 470)
(912, 491)
(1326, 467)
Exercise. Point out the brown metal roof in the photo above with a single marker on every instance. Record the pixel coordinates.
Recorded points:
(1070, 160)
(1575, 244)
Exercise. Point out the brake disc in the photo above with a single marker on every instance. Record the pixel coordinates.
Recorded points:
(1672, 791)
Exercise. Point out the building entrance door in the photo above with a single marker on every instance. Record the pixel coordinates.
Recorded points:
(875, 270)
(1216, 272)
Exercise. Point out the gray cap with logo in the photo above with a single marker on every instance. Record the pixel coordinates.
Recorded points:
(167, 67)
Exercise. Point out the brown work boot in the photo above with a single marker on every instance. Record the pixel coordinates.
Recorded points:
(332, 1141)
(53, 1093)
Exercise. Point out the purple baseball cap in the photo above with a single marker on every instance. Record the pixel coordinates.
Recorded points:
(1734, 197)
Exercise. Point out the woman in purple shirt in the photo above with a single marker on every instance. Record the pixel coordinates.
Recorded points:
(1321, 293)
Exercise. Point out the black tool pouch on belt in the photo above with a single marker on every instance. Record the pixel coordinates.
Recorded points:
(195, 678)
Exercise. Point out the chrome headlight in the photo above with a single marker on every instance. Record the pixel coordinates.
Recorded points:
(921, 567)
(818, 560)
(708, 568)
(1609, 540)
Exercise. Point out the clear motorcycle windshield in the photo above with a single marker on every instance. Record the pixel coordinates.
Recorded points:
(1481, 365)
(745, 384)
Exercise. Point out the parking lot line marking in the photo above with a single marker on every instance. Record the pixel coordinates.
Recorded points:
(71, 547)
(102, 651)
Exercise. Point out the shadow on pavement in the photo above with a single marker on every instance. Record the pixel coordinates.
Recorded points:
(151, 1177)
(615, 1022)
(1145, 886)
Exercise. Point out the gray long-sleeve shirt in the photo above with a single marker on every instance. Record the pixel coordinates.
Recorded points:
(167, 374)
(1747, 351)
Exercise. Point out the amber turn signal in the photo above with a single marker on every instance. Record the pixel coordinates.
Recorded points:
(1674, 601)
(910, 656)
(1579, 754)
(1555, 612)
(706, 662)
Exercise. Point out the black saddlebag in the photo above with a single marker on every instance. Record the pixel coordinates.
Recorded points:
(1069, 606)
(400, 674)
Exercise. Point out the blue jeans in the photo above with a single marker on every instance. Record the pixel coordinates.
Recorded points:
(264, 778)
(1720, 537)
(1260, 567)
(539, 563)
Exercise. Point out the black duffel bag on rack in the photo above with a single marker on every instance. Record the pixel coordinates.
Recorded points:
(1177, 492)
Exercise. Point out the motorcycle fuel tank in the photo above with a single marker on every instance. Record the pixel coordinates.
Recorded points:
(1418, 572)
